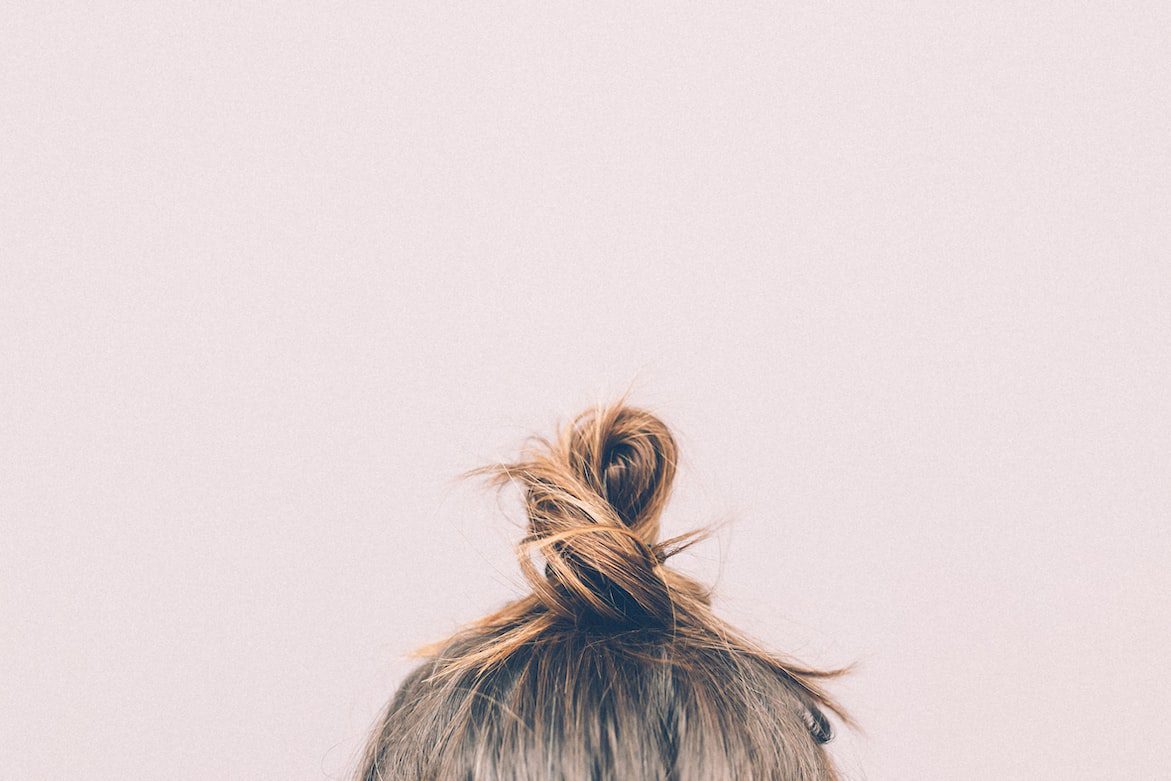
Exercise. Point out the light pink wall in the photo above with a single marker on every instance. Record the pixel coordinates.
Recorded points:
(271, 278)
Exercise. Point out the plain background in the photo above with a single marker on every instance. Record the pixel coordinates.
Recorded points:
(273, 274)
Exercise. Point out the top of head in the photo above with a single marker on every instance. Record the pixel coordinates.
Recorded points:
(594, 496)
(565, 682)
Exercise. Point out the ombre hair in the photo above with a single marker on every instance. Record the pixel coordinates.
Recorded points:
(614, 666)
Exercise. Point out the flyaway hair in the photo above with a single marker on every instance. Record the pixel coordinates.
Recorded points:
(614, 667)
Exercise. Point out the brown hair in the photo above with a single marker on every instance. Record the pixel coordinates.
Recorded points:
(614, 667)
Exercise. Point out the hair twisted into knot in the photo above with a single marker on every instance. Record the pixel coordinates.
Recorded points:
(594, 498)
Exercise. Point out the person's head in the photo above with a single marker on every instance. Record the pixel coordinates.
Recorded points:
(614, 667)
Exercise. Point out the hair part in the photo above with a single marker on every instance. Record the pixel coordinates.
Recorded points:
(614, 666)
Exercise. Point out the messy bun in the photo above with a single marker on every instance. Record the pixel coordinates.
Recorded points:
(594, 498)
(614, 666)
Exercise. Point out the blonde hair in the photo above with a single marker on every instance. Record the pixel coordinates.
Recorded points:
(614, 667)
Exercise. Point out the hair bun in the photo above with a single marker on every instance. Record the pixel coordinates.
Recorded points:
(594, 496)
